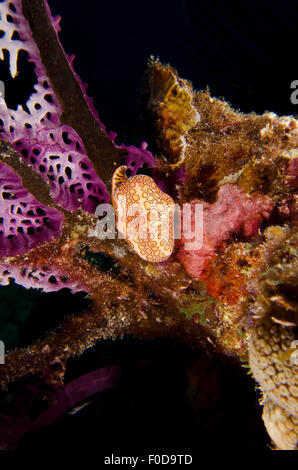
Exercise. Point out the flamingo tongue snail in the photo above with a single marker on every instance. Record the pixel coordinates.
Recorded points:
(144, 214)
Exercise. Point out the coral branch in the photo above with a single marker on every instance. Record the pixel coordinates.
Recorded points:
(50, 355)
(75, 110)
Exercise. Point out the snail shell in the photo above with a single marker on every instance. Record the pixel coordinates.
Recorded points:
(145, 215)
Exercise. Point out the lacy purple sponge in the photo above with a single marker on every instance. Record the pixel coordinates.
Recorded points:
(44, 278)
(54, 150)
(24, 222)
(57, 155)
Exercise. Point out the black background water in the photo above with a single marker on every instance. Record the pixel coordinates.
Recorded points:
(245, 51)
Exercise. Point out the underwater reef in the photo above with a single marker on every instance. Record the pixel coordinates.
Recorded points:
(234, 296)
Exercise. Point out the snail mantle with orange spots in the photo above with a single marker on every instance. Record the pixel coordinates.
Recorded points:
(144, 214)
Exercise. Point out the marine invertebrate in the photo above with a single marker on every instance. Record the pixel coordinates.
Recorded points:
(171, 105)
(271, 353)
(62, 400)
(232, 212)
(60, 162)
(145, 215)
(25, 222)
(252, 159)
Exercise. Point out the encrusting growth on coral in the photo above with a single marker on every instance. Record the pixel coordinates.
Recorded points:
(233, 295)
(170, 101)
(242, 168)
(271, 343)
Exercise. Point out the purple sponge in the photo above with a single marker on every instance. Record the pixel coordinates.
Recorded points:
(24, 222)
(54, 150)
